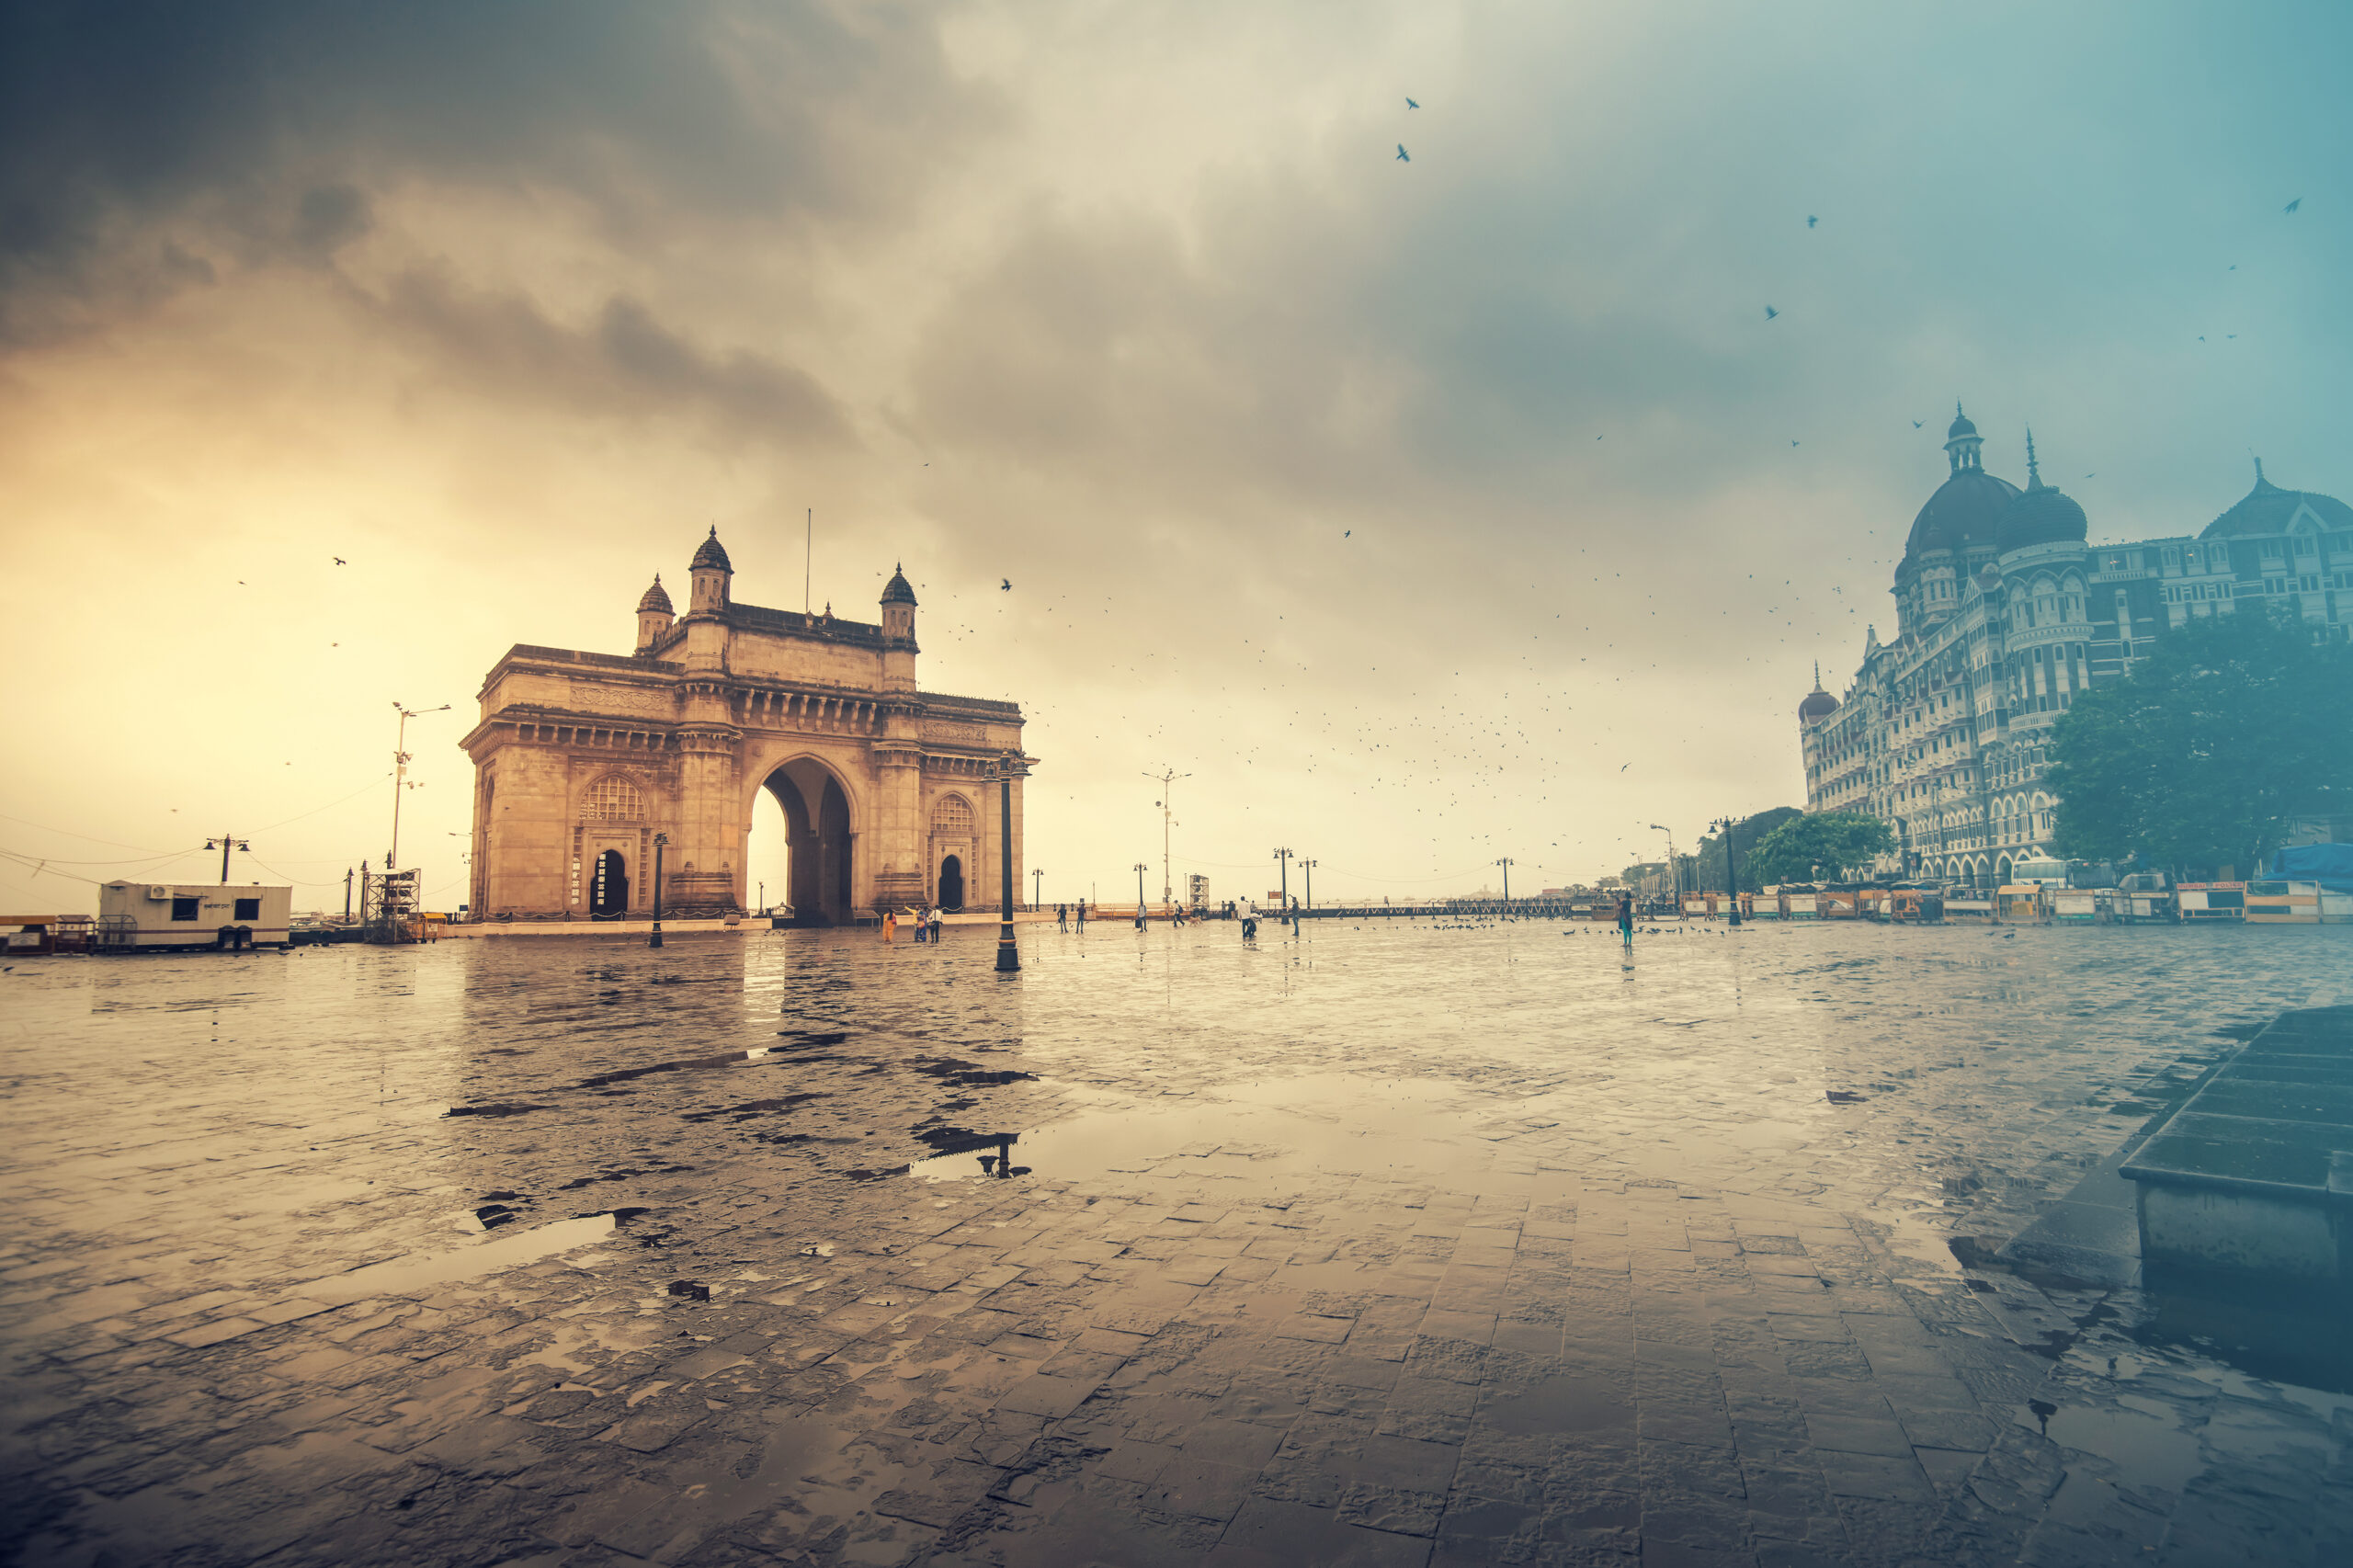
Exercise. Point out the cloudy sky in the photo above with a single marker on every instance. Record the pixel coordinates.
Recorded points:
(1421, 511)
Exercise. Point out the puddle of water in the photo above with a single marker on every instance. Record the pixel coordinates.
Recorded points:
(405, 1276)
(2149, 1448)
(1264, 1131)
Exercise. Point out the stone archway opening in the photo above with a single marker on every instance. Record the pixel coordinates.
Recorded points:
(951, 883)
(817, 842)
(609, 886)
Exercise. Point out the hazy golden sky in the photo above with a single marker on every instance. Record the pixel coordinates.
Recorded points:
(1422, 512)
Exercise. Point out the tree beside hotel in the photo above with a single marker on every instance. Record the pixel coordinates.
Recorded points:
(2202, 756)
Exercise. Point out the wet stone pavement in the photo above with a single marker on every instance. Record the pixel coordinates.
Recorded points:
(1387, 1245)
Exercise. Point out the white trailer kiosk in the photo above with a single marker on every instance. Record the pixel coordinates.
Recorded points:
(143, 916)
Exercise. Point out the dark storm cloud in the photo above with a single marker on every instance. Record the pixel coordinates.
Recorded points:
(624, 361)
(126, 129)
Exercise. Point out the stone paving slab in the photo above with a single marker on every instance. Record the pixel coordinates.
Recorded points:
(1607, 1290)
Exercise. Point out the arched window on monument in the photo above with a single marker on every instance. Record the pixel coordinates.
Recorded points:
(612, 799)
(952, 817)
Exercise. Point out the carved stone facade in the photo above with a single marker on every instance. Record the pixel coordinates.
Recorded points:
(889, 793)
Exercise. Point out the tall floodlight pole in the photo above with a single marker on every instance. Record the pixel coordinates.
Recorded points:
(1505, 864)
(1036, 885)
(1167, 809)
(1282, 859)
(400, 775)
(1309, 867)
(1673, 870)
(1731, 870)
(1009, 953)
(661, 842)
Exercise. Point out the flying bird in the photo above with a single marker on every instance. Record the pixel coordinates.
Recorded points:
(1792, 443)
(1346, 532)
(2294, 205)
(1006, 586)
(1623, 766)
(1411, 104)
(1770, 313)
(1811, 220)
(1403, 156)
(339, 561)
(1916, 425)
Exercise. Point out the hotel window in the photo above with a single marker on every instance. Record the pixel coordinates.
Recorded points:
(2306, 544)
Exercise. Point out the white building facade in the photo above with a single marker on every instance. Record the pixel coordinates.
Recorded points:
(2005, 612)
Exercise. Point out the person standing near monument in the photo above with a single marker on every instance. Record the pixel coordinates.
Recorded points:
(890, 927)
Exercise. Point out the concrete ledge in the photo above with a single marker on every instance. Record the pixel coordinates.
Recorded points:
(2254, 1174)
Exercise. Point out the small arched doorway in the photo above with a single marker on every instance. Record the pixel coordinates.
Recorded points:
(608, 889)
(951, 883)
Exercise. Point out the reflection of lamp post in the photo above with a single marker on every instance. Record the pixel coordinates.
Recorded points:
(660, 840)
(1008, 954)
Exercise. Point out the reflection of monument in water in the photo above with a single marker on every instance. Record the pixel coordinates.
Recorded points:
(582, 758)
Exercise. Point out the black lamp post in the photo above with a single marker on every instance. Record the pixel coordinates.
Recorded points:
(660, 840)
(1732, 871)
(1505, 864)
(1309, 867)
(1008, 955)
(1140, 868)
(1283, 859)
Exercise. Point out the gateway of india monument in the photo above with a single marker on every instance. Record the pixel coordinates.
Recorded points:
(890, 794)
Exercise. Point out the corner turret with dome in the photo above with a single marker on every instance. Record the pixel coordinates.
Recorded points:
(1818, 704)
(2006, 613)
(653, 615)
(885, 793)
(709, 575)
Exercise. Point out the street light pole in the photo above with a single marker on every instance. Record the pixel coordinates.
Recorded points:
(1309, 867)
(1282, 859)
(1505, 864)
(400, 774)
(1037, 882)
(1008, 952)
(1167, 809)
(661, 841)
(224, 844)
(1673, 871)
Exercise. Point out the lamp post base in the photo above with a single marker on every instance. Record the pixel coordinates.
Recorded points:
(1009, 956)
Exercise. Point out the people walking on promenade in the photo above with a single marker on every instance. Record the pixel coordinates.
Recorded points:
(1082, 917)
(938, 923)
(1061, 917)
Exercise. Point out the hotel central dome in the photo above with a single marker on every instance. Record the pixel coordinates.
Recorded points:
(1967, 508)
